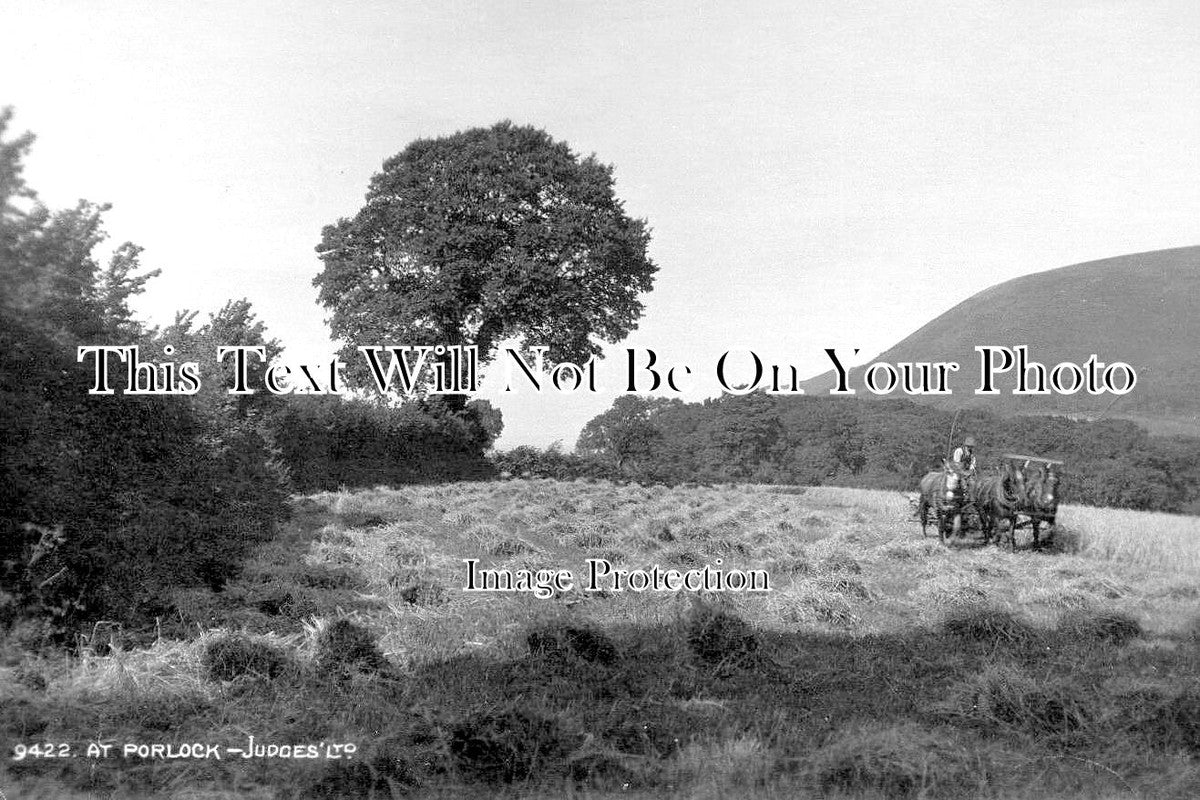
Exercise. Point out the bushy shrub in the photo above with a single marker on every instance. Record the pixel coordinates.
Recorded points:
(116, 498)
(106, 501)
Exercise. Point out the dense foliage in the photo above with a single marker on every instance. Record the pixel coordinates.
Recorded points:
(328, 443)
(107, 501)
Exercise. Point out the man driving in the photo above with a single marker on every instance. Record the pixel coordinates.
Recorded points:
(964, 456)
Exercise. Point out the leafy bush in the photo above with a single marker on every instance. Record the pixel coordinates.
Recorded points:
(114, 499)
(107, 501)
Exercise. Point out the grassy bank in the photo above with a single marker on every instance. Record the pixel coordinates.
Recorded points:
(880, 664)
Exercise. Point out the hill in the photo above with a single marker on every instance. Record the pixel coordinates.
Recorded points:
(1142, 309)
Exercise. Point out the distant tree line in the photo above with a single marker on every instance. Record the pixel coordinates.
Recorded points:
(883, 444)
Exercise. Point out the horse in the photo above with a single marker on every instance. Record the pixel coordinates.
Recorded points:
(1041, 498)
(1000, 497)
(943, 491)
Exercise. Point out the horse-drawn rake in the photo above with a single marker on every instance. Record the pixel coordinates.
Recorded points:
(989, 504)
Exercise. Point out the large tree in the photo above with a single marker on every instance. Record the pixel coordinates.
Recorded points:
(485, 235)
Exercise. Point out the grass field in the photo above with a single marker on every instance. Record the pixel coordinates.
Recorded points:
(880, 664)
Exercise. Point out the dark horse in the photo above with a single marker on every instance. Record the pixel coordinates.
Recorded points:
(997, 498)
(943, 491)
(1041, 498)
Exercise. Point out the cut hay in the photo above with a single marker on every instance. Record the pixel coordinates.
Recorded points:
(1005, 695)
(987, 624)
(1114, 627)
(953, 590)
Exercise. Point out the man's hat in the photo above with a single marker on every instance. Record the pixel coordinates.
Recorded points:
(969, 441)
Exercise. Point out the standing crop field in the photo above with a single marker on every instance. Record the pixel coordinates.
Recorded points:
(1167, 541)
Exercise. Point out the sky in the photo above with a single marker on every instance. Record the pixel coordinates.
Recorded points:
(815, 175)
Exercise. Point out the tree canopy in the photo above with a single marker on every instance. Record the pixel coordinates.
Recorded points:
(48, 270)
(485, 235)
